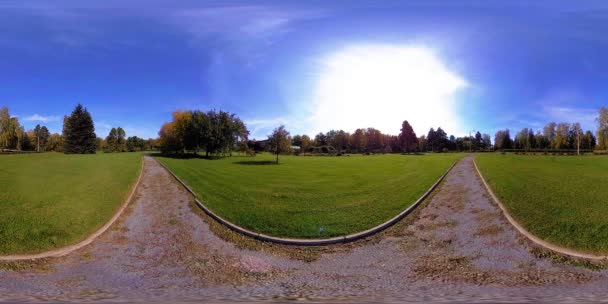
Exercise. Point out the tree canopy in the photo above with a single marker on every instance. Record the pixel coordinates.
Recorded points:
(214, 132)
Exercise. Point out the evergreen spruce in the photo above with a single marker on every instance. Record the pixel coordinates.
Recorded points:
(79, 132)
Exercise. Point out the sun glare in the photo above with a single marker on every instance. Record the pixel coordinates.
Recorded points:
(380, 86)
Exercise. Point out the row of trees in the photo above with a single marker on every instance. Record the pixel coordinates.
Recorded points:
(557, 136)
(554, 136)
(78, 136)
(371, 140)
(213, 132)
(13, 136)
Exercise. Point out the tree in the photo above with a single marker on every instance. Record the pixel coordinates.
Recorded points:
(340, 140)
(306, 143)
(577, 136)
(320, 139)
(216, 132)
(476, 141)
(37, 137)
(407, 137)
(550, 133)
(374, 140)
(531, 139)
(521, 139)
(79, 132)
(502, 140)
(111, 141)
(486, 140)
(588, 141)
(120, 140)
(167, 140)
(135, 143)
(430, 140)
(602, 128)
(441, 139)
(359, 140)
(55, 143)
(279, 141)
(562, 133)
(542, 142)
(100, 144)
(296, 140)
(11, 132)
(422, 143)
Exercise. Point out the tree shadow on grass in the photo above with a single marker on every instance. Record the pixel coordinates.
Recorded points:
(256, 162)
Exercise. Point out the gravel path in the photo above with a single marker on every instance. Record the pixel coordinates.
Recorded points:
(455, 247)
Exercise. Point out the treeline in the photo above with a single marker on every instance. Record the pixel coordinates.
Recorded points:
(218, 133)
(14, 137)
(554, 136)
(78, 136)
(557, 136)
(371, 140)
(116, 141)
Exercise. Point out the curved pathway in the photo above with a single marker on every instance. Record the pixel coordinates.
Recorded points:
(457, 247)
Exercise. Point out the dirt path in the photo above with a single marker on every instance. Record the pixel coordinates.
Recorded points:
(457, 247)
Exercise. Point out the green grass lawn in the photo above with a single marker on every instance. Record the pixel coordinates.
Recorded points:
(51, 200)
(310, 197)
(562, 199)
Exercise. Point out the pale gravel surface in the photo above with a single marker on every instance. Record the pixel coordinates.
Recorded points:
(458, 247)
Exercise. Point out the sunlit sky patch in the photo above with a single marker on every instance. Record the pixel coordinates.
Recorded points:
(381, 85)
(311, 65)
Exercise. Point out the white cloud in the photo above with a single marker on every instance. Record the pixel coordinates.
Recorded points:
(381, 85)
(567, 105)
(233, 21)
(585, 116)
(261, 128)
(41, 118)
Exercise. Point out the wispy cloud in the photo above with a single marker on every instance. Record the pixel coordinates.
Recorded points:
(239, 22)
(567, 105)
(261, 128)
(586, 116)
(41, 118)
(243, 31)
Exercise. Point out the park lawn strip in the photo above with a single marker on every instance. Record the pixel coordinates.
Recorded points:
(52, 200)
(310, 196)
(561, 199)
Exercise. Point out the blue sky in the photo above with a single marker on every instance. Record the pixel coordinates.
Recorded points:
(306, 64)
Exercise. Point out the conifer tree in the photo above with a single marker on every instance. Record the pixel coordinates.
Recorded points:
(79, 132)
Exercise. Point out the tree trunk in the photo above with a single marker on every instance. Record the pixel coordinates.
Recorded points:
(277, 158)
(38, 143)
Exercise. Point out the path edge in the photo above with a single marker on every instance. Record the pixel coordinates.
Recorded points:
(55, 253)
(311, 242)
(536, 240)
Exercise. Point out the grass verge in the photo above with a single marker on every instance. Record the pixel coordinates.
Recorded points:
(310, 197)
(561, 199)
(52, 200)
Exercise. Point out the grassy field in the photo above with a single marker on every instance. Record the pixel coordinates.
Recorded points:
(562, 199)
(311, 197)
(51, 200)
